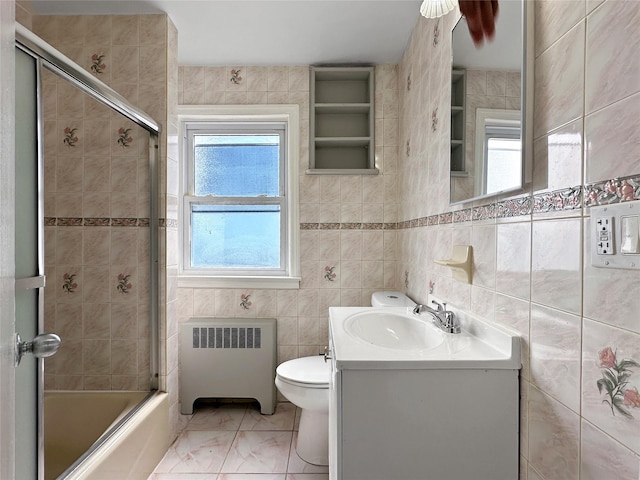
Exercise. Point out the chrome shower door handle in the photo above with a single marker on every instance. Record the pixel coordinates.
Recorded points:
(43, 345)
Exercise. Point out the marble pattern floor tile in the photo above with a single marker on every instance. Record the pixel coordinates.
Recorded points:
(258, 452)
(236, 442)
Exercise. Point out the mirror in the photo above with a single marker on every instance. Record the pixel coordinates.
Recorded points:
(488, 127)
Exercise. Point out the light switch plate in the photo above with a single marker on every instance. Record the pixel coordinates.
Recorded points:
(607, 239)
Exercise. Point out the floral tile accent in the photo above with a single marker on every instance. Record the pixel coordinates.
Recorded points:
(432, 220)
(606, 355)
(330, 226)
(484, 212)
(409, 82)
(350, 226)
(235, 78)
(462, 215)
(406, 279)
(245, 301)
(70, 138)
(612, 191)
(408, 147)
(96, 222)
(49, 221)
(69, 284)
(124, 139)
(432, 286)
(329, 273)
(436, 34)
(69, 221)
(373, 226)
(556, 201)
(124, 222)
(97, 63)
(619, 396)
(434, 120)
(309, 226)
(514, 207)
(445, 218)
(124, 285)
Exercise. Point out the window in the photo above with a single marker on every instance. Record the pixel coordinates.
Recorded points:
(503, 158)
(240, 221)
(498, 151)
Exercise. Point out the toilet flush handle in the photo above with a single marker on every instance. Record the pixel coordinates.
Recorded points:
(327, 354)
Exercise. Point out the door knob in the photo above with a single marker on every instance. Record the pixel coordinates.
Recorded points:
(43, 345)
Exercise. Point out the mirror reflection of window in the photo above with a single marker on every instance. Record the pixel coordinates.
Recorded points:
(503, 158)
(498, 155)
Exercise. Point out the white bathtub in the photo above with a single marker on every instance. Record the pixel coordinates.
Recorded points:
(75, 420)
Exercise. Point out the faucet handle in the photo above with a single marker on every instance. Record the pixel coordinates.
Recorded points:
(440, 308)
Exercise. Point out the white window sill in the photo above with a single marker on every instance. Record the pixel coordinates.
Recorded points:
(202, 281)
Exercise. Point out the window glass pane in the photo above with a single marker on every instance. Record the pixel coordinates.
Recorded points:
(503, 163)
(237, 165)
(235, 236)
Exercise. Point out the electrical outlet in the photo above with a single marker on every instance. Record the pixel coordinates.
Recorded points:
(604, 233)
(615, 235)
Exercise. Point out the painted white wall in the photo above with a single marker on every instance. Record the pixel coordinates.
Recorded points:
(7, 317)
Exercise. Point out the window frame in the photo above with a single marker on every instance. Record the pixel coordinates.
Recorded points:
(230, 117)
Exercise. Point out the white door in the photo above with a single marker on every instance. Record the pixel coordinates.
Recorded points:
(7, 325)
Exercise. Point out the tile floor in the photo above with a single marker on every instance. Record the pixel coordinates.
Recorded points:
(236, 442)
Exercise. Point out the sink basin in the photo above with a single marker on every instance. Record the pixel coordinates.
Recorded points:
(393, 330)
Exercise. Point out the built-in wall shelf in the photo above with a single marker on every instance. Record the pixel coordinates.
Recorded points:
(341, 126)
(458, 125)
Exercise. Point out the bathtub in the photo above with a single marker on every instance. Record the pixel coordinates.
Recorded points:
(76, 421)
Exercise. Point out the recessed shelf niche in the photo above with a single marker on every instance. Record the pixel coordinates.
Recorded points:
(341, 121)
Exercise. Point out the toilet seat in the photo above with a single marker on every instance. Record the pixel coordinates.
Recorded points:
(307, 372)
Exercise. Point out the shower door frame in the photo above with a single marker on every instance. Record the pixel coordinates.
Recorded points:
(48, 57)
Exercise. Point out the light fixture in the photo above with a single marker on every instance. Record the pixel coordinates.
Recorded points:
(437, 8)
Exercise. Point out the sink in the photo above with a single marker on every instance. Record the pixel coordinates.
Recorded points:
(393, 330)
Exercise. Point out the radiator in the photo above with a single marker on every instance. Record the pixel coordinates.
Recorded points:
(228, 358)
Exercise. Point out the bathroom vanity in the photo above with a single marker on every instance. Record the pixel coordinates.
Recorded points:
(446, 409)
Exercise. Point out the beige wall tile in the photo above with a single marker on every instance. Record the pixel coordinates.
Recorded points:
(554, 19)
(559, 83)
(612, 140)
(554, 437)
(556, 270)
(612, 66)
(555, 354)
(602, 456)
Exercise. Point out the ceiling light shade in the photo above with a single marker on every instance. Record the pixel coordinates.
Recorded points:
(437, 8)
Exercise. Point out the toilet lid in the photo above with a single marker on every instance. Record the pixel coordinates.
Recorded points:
(310, 370)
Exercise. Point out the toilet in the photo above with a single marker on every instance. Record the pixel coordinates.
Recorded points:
(305, 383)
(391, 298)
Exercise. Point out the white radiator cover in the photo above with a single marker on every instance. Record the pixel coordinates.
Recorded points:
(228, 358)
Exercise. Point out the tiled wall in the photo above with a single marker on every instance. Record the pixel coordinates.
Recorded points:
(346, 251)
(97, 200)
(96, 177)
(531, 251)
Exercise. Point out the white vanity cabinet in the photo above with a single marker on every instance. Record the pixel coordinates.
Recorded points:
(417, 420)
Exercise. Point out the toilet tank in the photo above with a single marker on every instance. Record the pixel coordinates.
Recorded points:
(391, 298)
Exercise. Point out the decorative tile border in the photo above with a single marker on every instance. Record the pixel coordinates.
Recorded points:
(612, 191)
(601, 193)
(95, 222)
(349, 226)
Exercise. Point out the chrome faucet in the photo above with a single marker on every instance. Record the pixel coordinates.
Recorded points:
(444, 319)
